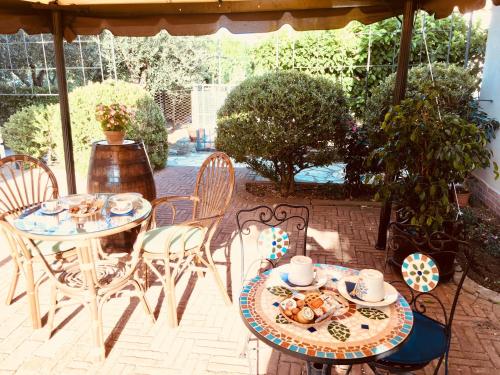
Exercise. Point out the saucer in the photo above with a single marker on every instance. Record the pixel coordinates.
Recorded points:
(317, 283)
(57, 210)
(348, 283)
(127, 211)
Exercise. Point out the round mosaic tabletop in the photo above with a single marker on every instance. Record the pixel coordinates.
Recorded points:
(352, 334)
(62, 226)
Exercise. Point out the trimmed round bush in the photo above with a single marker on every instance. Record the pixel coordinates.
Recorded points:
(36, 130)
(281, 123)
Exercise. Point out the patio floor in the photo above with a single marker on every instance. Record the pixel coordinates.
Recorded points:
(210, 333)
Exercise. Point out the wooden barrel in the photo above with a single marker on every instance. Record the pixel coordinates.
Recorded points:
(120, 169)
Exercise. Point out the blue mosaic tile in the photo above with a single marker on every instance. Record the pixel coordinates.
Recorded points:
(276, 304)
(312, 329)
(365, 326)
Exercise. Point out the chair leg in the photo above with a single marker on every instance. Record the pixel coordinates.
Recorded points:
(436, 370)
(218, 280)
(142, 298)
(13, 284)
(96, 321)
(52, 309)
(32, 296)
(373, 368)
(169, 287)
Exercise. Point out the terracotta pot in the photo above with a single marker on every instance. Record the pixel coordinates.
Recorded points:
(463, 199)
(115, 137)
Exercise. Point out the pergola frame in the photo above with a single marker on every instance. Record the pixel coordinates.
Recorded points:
(67, 18)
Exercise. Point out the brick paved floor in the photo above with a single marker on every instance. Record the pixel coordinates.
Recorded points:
(210, 334)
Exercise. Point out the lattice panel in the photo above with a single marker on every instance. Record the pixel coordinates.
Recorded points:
(176, 106)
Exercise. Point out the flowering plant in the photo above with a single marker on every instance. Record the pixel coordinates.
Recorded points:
(114, 117)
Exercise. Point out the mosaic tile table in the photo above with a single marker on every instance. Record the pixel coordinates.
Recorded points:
(355, 334)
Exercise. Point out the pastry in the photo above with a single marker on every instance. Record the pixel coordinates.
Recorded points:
(305, 315)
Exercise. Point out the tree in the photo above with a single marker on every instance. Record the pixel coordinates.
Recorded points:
(281, 123)
(345, 55)
(160, 62)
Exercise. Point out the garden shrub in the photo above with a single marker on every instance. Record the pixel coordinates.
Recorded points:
(36, 129)
(281, 123)
(11, 104)
(30, 131)
(425, 152)
(454, 87)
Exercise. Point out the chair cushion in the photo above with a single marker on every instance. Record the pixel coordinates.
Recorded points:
(48, 248)
(155, 239)
(427, 341)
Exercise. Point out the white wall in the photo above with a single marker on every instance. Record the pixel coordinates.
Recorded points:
(490, 89)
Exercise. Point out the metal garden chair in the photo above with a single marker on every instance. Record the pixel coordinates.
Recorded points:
(183, 246)
(270, 234)
(430, 339)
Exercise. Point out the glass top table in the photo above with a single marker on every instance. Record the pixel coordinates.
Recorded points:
(356, 334)
(63, 226)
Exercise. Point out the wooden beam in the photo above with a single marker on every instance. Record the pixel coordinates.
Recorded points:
(57, 31)
(399, 94)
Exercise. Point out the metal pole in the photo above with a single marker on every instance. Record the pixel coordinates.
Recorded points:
(467, 45)
(450, 39)
(57, 30)
(399, 93)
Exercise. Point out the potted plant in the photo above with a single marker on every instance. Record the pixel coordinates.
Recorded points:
(115, 119)
(427, 151)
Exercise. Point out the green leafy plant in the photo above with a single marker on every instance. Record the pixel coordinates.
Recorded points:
(30, 131)
(281, 123)
(454, 87)
(426, 151)
(43, 137)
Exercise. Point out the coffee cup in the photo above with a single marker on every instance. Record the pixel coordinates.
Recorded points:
(123, 204)
(301, 271)
(370, 286)
(50, 205)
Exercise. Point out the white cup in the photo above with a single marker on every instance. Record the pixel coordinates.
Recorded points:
(50, 205)
(123, 204)
(370, 286)
(301, 271)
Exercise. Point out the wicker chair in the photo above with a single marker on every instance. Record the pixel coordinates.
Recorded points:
(91, 278)
(25, 182)
(187, 245)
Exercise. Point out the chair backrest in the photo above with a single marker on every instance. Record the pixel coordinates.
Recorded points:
(214, 186)
(421, 274)
(25, 182)
(278, 231)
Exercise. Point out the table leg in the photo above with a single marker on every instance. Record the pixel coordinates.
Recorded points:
(318, 368)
